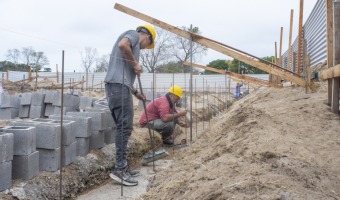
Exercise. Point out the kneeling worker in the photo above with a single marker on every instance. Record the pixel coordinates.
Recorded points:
(163, 116)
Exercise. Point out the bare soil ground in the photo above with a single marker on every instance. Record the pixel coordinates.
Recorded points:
(271, 144)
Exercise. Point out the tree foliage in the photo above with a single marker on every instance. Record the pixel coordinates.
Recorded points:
(217, 64)
(29, 59)
(102, 63)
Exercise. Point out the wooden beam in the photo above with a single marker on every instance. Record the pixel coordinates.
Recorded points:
(330, 73)
(300, 38)
(236, 75)
(330, 56)
(290, 40)
(336, 50)
(206, 42)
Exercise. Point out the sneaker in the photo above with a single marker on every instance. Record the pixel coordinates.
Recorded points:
(168, 142)
(123, 177)
(133, 173)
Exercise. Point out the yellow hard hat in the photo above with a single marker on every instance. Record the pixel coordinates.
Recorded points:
(152, 32)
(176, 90)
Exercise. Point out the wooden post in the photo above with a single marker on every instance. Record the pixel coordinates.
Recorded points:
(300, 37)
(36, 78)
(330, 63)
(7, 75)
(278, 79)
(82, 85)
(336, 81)
(290, 40)
(56, 69)
(307, 65)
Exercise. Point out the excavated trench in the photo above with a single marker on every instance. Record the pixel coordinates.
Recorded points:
(92, 171)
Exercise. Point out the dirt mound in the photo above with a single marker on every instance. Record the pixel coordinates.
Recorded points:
(272, 144)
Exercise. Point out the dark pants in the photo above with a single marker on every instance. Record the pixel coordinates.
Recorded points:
(166, 129)
(120, 103)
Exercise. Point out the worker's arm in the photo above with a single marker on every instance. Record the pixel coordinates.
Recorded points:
(125, 48)
(170, 117)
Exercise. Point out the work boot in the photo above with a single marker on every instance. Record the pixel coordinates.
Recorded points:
(123, 177)
(133, 173)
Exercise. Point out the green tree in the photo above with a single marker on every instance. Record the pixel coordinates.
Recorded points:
(217, 64)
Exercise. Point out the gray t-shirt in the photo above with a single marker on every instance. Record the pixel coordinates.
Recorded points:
(118, 64)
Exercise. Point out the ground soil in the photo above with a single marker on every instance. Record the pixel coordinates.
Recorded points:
(271, 144)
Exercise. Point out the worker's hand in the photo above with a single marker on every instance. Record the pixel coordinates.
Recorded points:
(183, 112)
(140, 96)
(138, 69)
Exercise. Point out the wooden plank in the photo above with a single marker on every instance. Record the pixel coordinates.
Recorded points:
(206, 42)
(236, 75)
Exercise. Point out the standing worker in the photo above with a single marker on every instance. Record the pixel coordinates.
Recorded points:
(123, 69)
(163, 116)
(238, 90)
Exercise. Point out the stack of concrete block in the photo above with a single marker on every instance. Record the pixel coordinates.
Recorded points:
(37, 109)
(68, 141)
(47, 142)
(82, 134)
(110, 130)
(99, 124)
(70, 103)
(25, 104)
(6, 157)
(9, 106)
(25, 164)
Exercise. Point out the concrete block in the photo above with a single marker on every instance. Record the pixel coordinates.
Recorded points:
(83, 146)
(26, 99)
(47, 135)
(24, 111)
(49, 159)
(49, 109)
(98, 119)
(49, 95)
(108, 116)
(25, 167)
(37, 99)
(57, 110)
(68, 153)
(110, 134)
(97, 140)
(24, 139)
(80, 121)
(9, 101)
(5, 175)
(6, 147)
(41, 120)
(85, 102)
(37, 111)
(68, 134)
(69, 100)
(8, 113)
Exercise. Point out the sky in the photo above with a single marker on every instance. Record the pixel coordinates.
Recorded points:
(252, 26)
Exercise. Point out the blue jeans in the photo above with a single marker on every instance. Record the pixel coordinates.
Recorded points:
(166, 129)
(120, 103)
